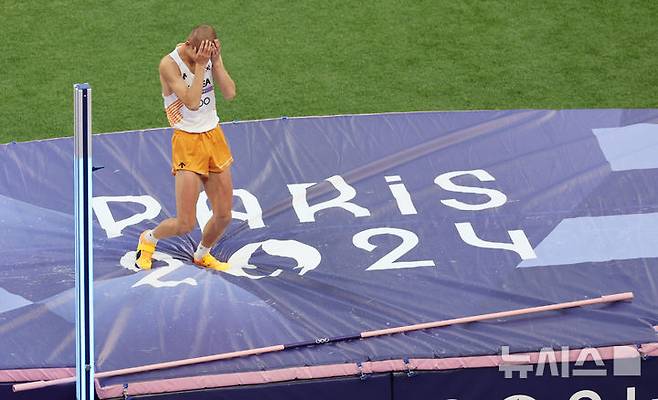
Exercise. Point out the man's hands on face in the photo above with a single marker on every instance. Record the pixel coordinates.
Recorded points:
(204, 52)
(216, 50)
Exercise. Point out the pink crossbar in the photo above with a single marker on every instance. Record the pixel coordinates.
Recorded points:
(280, 347)
(350, 369)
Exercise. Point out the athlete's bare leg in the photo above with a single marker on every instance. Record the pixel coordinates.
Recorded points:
(188, 186)
(219, 188)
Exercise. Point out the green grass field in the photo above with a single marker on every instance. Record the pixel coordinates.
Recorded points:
(317, 57)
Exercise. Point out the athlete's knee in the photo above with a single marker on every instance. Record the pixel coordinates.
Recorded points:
(184, 225)
(223, 216)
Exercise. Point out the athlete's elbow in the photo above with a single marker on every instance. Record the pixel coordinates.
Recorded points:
(192, 106)
(229, 94)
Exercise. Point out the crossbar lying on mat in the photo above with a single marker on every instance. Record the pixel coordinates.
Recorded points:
(381, 332)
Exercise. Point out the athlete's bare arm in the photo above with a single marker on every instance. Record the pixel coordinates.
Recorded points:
(172, 82)
(219, 73)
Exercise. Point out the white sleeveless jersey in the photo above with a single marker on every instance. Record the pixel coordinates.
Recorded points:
(181, 117)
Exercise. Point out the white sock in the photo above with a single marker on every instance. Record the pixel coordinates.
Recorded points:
(201, 251)
(149, 236)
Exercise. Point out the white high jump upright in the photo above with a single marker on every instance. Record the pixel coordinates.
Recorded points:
(84, 258)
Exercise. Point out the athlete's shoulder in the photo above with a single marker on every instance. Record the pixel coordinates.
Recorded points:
(167, 65)
(168, 60)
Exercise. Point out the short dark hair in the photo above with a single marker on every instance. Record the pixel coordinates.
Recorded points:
(199, 34)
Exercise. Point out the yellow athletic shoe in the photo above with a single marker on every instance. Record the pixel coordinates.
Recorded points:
(145, 251)
(208, 261)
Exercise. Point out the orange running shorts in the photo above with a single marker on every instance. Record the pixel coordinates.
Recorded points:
(202, 153)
